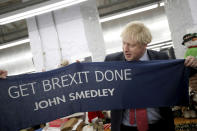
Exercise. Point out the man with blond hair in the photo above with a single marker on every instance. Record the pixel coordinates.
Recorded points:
(135, 38)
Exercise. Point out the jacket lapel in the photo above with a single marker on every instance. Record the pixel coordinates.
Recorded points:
(151, 55)
(122, 58)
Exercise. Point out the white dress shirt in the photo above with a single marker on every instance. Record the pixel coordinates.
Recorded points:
(152, 113)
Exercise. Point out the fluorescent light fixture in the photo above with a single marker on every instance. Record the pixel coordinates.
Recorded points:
(161, 4)
(156, 49)
(162, 41)
(30, 12)
(164, 47)
(129, 12)
(15, 43)
(17, 59)
(158, 45)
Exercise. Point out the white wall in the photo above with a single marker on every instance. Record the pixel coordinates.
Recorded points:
(154, 19)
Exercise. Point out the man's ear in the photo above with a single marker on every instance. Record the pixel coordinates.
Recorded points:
(145, 46)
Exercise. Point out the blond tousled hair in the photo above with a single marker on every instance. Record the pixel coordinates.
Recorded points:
(138, 32)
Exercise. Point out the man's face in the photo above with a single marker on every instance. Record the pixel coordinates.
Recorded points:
(133, 50)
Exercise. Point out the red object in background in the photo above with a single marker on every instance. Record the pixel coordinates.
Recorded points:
(58, 122)
(92, 115)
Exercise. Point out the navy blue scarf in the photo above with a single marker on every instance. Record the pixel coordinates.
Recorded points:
(31, 99)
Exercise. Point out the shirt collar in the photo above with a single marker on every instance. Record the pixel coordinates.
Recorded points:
(145, 56)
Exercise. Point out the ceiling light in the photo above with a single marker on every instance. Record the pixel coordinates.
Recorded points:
(127, 13)
(159, 45)
(160, 42)
(164, 47)
(15, 43)
(37, 10)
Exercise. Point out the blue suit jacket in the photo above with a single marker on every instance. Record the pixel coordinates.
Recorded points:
(165, 112)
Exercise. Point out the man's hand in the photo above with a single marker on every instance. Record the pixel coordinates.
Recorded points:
(191, 61)
(3, 74)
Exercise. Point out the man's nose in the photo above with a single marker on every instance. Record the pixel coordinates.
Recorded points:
(126, 47)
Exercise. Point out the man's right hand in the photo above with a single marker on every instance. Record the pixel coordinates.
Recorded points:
(3, 74)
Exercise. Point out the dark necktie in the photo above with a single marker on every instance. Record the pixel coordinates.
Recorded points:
(141, 119)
